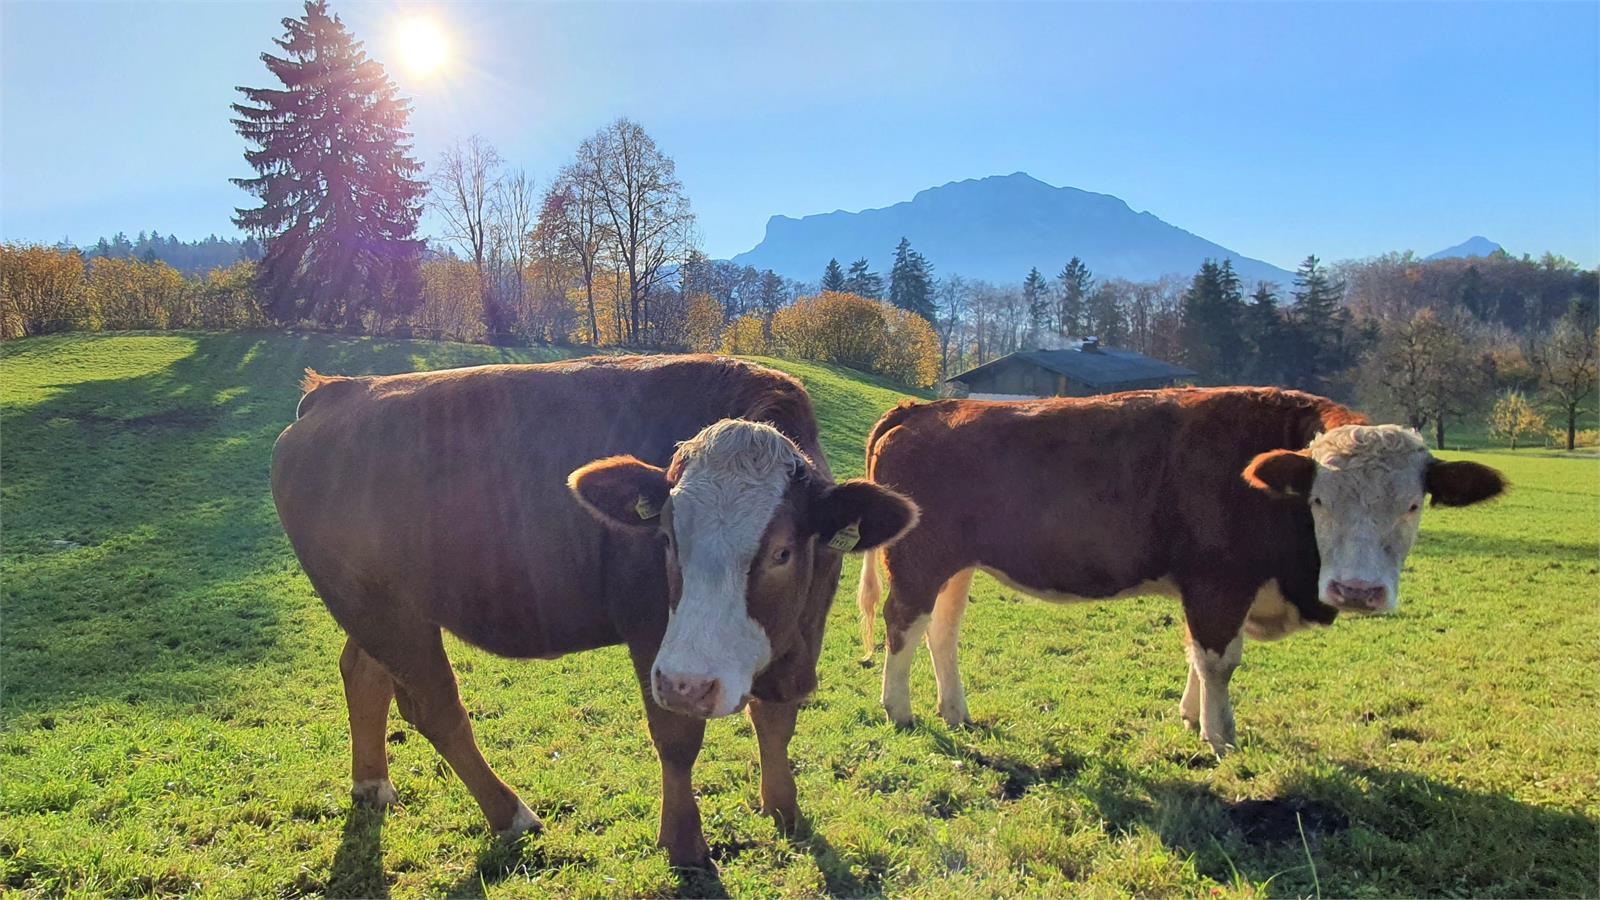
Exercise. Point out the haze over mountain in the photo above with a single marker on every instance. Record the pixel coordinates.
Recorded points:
(1477, 245)
(997, 228)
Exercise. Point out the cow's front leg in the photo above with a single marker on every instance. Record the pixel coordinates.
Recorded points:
(774, 724)
(901, 640)
(1215, 611)
(677, 740)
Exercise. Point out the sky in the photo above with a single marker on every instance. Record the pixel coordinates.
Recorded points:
(1277, 130)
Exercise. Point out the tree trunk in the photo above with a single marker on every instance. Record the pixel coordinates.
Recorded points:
(1572, 428)
(1438, 433)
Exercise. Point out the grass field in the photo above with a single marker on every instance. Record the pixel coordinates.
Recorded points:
(173, 720)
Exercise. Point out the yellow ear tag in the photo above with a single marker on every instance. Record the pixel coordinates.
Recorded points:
(646, 509)
(846, 538)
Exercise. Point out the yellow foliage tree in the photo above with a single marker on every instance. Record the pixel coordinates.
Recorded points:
(42, 290)
(129, 294)
(224, 298)
(451, 301)
(703, 324)
(1513, 416)
(746, 335)
(911, 355)
(832, 327)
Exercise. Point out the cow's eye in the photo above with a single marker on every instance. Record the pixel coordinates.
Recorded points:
(1414, 507)
(1316, 501)
(781, 556)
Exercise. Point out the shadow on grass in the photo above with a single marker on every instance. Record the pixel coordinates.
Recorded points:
(358, 863)
(143, 560)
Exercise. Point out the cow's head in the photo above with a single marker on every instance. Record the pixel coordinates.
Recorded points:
(752, 531)
(1365, 484)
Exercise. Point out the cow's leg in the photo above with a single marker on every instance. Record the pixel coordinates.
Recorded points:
(368, 690)
(1215, 614)
(774, 724)
(426, 692)
(901, 645)
(944, 631)
(1189, 706)
(677, 740)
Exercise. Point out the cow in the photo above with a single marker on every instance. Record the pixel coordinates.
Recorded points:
(1264, 511)
(679, 505)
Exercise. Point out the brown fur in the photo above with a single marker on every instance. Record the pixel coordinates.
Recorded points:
(439, 500)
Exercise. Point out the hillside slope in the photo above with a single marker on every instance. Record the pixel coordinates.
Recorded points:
(172, 720)
(997, 228)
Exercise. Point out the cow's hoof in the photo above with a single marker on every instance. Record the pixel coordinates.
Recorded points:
(785, 816)
(523, 822)
(376, 792)
(689, 854)
(1221, 747)
(955, 716)
(1190, 724)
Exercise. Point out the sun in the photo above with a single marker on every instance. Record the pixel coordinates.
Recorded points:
(422, 45)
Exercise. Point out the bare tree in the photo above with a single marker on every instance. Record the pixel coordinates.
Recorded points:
(1566, 363)
(952, 295)
(463, 186)
(511, 236)
(1429, 368)
(570, 217)
(646, 213)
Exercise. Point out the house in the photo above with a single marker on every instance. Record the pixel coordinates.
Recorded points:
(1081, 369)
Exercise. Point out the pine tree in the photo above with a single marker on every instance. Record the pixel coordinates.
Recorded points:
(1076, 283)
(1210, 335)
(1036, 301)
(833, 276)
(911, 282)
(862, 282)
(1318, 322)
(1104, 317)
(1265, 335)
(340, 196)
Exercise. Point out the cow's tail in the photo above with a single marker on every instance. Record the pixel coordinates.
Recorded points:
(313, 382)
(870, 590)
(867, 596)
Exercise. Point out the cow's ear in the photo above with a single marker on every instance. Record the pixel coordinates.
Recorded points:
(1461, 483)
(1283, 474)
(860, 515)
(621, 491)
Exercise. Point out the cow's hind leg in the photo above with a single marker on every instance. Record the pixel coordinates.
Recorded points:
(426, 692)
(906, 614)
(774, 724)
(677, 740)
(944, 632)
(368, 690)
(1189, 706)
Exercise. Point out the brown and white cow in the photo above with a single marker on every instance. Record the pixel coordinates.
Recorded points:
(679, 505)
(1263, 510)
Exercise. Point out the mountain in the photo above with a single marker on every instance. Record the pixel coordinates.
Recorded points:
(1477, 245)
(997, 228)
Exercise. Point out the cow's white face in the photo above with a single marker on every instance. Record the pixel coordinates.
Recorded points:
(745, 520)
(1365, 486)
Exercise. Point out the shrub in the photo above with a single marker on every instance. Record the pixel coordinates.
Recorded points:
(832, 327)
(1587, 437)
(224, 298)
(452, 302)
(702, 327)
(42, 290)
(912, 353)
(129, 294)
(747, 335)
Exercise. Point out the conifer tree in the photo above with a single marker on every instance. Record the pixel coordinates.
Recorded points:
(1318, 322)
(1210, 336)
(340, 196)
(1036, 301)
(1076, 283)
(833, 276)
(863, 282)
(1265, 336)
(911, 282)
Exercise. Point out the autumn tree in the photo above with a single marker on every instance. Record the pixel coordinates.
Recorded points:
(42, 290)
(648, 225)
(1566, 363)
(1427, 369)
(463, 187)
(1513, 416)
(129, 294)
(571, 229)
(340, 197)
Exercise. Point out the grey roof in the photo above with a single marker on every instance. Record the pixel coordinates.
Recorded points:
(1103, 367)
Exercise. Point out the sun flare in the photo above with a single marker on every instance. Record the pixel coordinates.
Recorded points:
(422, 45)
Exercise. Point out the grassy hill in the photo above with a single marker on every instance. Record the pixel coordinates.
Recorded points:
(173, 721)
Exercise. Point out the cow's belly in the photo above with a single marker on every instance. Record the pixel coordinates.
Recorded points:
(1272, 617)
(1155, 587)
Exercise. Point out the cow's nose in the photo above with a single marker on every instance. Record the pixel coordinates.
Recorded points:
(1367, 595)
(695, 695)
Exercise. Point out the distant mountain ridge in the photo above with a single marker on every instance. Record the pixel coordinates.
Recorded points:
(1477, 245)
(997, 228)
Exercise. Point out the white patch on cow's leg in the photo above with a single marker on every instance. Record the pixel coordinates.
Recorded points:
(1216, 712)
(521, 822)
(374, 792)
(896, 698)
(1189, 706)
(944, 632)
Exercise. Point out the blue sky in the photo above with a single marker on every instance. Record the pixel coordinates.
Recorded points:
(1277, 130)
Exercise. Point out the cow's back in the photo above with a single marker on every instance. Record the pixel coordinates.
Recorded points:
(443, 495)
